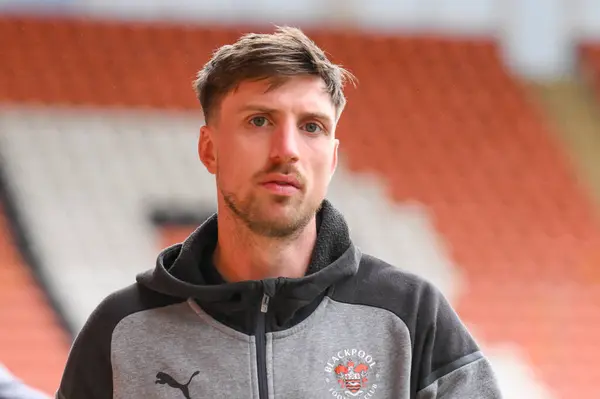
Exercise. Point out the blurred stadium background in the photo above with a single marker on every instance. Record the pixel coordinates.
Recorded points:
(471, 156)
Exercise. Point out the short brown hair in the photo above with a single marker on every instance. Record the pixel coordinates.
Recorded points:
(287, 52)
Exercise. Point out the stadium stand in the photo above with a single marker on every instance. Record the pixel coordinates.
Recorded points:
(33, 345)
(435, 122)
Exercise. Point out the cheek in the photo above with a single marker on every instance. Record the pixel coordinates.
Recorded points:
(321, 173)
(236, 166)
(231, 173)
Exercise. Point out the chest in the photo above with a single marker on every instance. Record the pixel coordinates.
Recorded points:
(333, 355)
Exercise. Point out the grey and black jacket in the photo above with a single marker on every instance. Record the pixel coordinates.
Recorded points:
(353, 327)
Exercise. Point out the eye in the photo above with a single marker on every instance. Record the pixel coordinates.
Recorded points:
(259, 121)
(312, 127)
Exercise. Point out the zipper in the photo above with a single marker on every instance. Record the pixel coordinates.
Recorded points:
(261, 348)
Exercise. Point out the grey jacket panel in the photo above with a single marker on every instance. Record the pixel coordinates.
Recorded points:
(158, 352)
(342, 351)
(88, 372)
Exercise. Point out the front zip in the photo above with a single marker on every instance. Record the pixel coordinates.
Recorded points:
(261, 348)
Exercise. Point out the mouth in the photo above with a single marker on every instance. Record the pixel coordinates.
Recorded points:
(284, 180)
(283, 185)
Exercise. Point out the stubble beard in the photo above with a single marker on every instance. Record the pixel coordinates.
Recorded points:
(253, 213)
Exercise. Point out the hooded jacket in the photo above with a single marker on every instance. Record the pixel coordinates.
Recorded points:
(352, 327)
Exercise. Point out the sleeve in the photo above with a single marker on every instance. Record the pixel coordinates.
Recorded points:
(88, 371)
(451, 366)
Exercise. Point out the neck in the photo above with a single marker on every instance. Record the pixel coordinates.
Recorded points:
(241, 255)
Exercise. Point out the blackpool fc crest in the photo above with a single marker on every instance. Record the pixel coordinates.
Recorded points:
(351, 373)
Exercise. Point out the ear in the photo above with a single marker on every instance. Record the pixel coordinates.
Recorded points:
(334, 162)
(207, 149)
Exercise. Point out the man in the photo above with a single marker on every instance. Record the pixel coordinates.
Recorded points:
(270, 298)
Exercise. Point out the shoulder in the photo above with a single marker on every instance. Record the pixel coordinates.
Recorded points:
(440, 341)
(382, 285)
(88, 372)
(93, 341)
(121, 304)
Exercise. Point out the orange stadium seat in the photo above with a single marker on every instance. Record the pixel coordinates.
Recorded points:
(441, 120)
(33, 346)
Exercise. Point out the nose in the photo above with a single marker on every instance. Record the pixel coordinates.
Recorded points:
(284, 143)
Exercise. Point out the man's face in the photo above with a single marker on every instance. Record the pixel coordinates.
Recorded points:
(273, 152)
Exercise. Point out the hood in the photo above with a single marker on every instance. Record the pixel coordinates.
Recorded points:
(183, 270)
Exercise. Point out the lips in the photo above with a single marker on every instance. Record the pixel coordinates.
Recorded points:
(281, 185)
(282, 180)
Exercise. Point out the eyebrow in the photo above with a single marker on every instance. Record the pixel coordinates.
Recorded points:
(304, 115)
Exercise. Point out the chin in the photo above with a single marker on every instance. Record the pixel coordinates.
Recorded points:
(284, 210)
(281, 226)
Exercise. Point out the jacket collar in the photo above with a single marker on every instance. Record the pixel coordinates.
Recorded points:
(185, 270)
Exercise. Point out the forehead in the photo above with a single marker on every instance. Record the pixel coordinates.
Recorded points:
(295, 94)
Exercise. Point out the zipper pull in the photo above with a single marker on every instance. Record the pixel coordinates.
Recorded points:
(264, 305)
